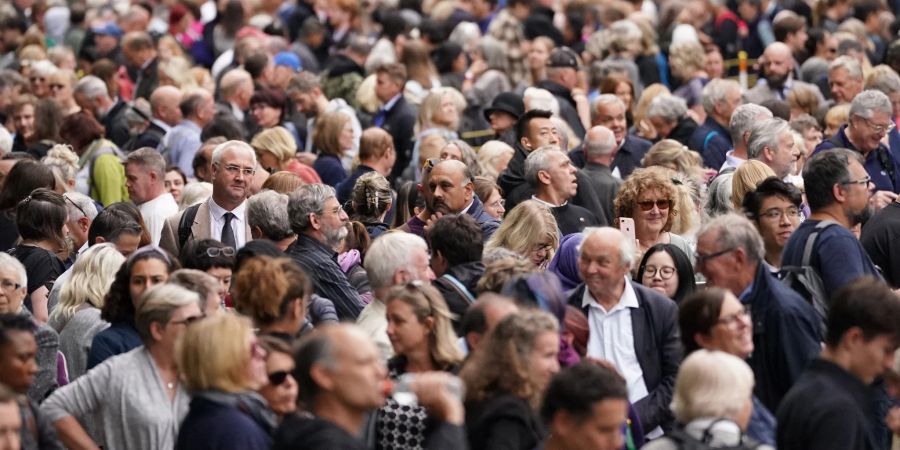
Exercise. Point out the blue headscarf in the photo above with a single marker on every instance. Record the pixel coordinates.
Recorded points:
(565, 262)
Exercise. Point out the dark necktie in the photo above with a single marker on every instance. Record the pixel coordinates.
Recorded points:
(378, 121)
(227, 232)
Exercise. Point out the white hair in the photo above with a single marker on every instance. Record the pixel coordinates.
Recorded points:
(744, 117)
(79, 205)
(868, 102)
(667, 107)
(8, 261)
(627, 248)
(537, 98)
(717, 91)
(854, 70)
(220, 150)
(389, 253)
(91, 87)
(712, 384)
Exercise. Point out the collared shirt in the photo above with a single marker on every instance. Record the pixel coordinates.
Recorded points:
(547, 204)
(165, 127)
(155, 212)
(611, 338)
(237, 111)
(373, 322)
(217, 221)
(732, 161)
(390, 103)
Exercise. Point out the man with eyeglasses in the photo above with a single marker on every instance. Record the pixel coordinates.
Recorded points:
(837, 190)
(730, 254)
(871, 117)
(223, 216)
(774, 207)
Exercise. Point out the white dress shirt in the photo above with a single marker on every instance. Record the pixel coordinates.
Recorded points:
(238, 222)
(155, 212)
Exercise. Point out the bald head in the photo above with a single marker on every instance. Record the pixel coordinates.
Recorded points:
(451, 186)
(777, 49)
(778, 63)
(599, 142)
(164, 103)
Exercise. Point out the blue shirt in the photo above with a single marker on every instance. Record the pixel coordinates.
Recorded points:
(879, 164)
(180, 145)
(712, 141)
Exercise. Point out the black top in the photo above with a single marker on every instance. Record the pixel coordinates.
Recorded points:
(879, 238)
(41, 266)
(828, 408)
(504, 422)
(311, 433)
(606, 186)
(467, 274)
(320, 264)
(573, 218)
(9, 232)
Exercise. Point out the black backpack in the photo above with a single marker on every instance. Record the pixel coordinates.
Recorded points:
(184, 225)
(684, 441)
(805, 280)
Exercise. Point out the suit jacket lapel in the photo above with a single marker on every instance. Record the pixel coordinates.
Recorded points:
(200, 229)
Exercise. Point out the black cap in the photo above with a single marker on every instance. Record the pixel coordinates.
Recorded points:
(563, 57)
(507, 102)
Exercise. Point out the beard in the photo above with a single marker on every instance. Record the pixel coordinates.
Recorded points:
(334, 238)
(861, 217)
(776, 81)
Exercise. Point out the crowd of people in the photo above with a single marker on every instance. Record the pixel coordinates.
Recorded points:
(449, 224)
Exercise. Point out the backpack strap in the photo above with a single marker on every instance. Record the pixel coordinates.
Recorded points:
(811, 241)
(459, 287)
(185, 224)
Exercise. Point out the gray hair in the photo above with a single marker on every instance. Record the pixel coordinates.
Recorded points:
(599, 148)
(712, 384)
(220, 150)
(307, 199)
(854, 70)
(536, 161)
(868, 102)
(667, 107)
(304, 82)
(157, 304)
(79, 205)
(197, 281)
(716, 91)
(149, 159)
(604, 99)
(268, 210)
(736, 231)
(389, 253)
(718, 200)
(744, 117)
(766, 134)
(10, 262)
(91, 87)
(627, 248)
(541, 99)
(884, 79)
(493, 53)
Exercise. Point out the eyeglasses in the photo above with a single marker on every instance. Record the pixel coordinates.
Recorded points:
(235, 170)
(84, 214)
(665, 272)
(336, 210)
(647, 205)
(9, 285)
(703, 259)
(775, 214)
(542, 248)
(863, 181)
(500, 203)
(57, 87)
(877, 127)
(732, 319)
(215, 252)
(278, 378)
(188, 320)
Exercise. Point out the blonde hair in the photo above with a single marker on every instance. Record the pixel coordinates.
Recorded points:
(430, 147)
(158, 304)
(426, 301)
(178, 70)
(527, 225)
(711, 384)
(838, 113)
(283, 182)
(214, 353)
(277, 141)
(92, 275)
(488, 155)
(685, 58)
(746, 178)
(672, 154)
(647, 96)
(804, 98)
(430, 113)
(327, 134)
(194, 193)
(63, 162)
(371, 197)
(688, 197)
(503, 364)
(642, 180)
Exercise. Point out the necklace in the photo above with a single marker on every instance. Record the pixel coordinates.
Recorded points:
(170, 385)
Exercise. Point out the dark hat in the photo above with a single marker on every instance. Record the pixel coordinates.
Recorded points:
(507, 102)
(563, 57)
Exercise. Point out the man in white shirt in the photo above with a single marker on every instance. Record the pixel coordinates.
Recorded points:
(631, 326)
(145, 172)
(305, 90)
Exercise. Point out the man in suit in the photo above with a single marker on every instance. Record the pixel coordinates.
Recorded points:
(224, 215)
(395, 116)
(786, 335)
(631, 326)
(599, 150)
(164, 103)
(140, 53)
(235, 89)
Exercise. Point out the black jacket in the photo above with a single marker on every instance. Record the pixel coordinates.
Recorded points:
(606, 186)
(151, 137)
(311, 433)
(468, 275)
(657, 345)
(116, 126)
(147, 80)
(786, 336)
(400, 122)
(683, 131)
(627, 158)
(566, 105)
(503, 422)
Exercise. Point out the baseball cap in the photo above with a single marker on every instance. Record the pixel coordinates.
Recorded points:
(108, 29)
(563, 57)
(288, 59)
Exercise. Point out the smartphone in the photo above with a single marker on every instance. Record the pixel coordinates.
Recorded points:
(626, 224)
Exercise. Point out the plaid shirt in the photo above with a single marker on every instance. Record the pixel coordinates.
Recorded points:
(320, 264)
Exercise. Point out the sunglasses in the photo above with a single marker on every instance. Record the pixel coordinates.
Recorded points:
(278, 378)
(214, 252)
(647, 205)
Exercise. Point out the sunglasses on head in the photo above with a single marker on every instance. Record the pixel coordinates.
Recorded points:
(648, 204)
(279, 377)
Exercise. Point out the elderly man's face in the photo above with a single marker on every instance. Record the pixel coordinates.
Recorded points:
(232, 175)
(716, 262)
(562, 175)
(600, 264)
(612, 116)
(868, 132)
(356, 377)
(450, 190)
(843, 87)
(333, 220)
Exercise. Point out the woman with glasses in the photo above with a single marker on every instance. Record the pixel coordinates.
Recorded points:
(649, 197)
(136, 399)
(668, 270)
(714, 319)
(145, 268)
(280, 391)
(274, 293)
(77, 317)
(491, 196)
(212, 257)
(421, 333)
(223, 365)
(530, 230)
